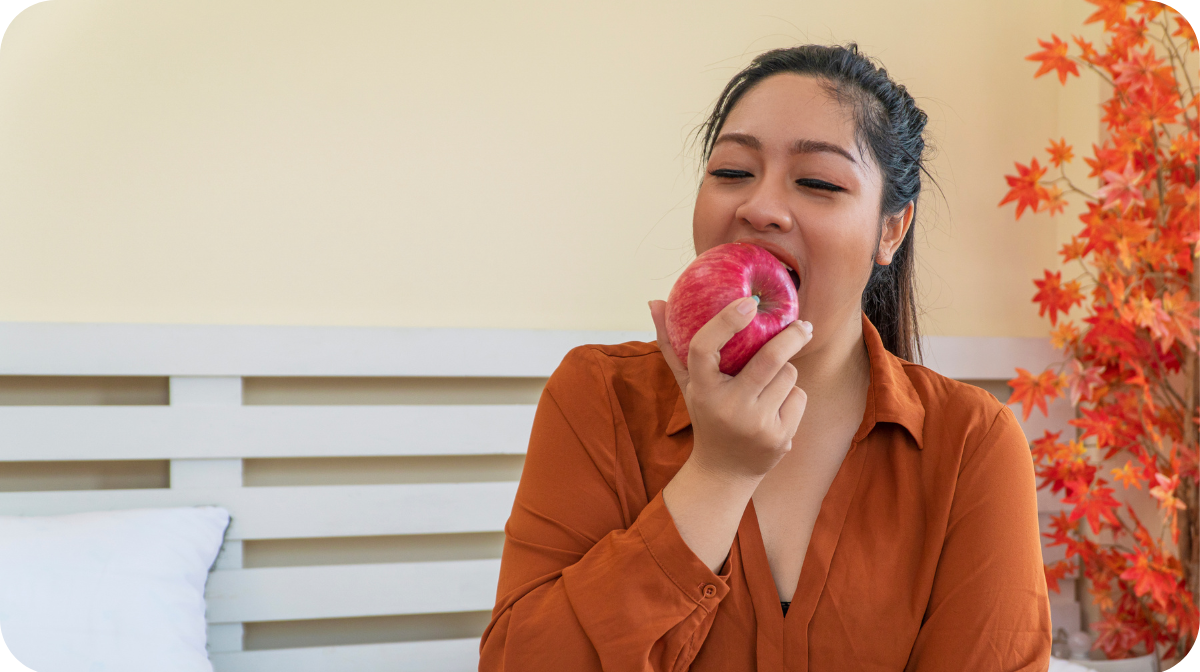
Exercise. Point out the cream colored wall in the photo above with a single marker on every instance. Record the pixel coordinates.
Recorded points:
(465, 164)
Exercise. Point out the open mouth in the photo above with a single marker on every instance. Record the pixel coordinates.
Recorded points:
(794, 276)
(779, 253)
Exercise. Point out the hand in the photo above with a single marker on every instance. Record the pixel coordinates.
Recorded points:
(742, 425)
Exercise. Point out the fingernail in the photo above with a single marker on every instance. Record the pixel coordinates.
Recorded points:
(748, 305)
(807, 326)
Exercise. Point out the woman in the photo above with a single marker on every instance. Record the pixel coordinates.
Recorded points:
(831, 507)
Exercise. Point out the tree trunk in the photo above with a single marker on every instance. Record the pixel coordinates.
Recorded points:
(1189, 536)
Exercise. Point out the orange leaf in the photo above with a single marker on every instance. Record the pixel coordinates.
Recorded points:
(1089, 52)
(1111, 12)
(1073, 250)
(1054, 57)
(1127, 477)
(1026, 190)
(1060, 152)
(1030, 391)
(1055, 203)
(1065, 335)
(1185, 31)
(1151, 9)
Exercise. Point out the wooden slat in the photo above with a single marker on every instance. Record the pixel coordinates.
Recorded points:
(165, 432)
(305, 511)
(447, 655)
(223, 350)
(987, 357)
(341, 591)
(30, 348)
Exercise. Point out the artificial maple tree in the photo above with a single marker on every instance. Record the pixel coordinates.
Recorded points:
(1130, 364)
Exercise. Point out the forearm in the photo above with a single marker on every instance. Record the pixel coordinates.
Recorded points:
(637, 600)
(707, 506)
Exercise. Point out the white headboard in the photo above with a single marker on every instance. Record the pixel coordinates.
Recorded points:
(206, 433)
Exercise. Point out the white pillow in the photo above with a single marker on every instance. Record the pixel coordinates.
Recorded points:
(109, 590)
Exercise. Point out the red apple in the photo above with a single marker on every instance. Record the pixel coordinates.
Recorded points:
(720, 276)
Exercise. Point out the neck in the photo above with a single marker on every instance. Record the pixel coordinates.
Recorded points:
(837, 369)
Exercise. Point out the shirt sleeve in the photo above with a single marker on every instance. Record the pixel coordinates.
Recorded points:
(582, 587)
(989, 610)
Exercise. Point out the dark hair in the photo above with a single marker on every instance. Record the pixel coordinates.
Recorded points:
(890, 125)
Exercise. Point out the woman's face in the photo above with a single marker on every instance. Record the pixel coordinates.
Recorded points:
(786, 169)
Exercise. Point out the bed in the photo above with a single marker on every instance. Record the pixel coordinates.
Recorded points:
(368, 471)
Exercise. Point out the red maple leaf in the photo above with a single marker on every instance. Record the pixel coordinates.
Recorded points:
(1026, 190)
(1054, 57)
(1121, 188)
(1081, 380)
(1030, 391)
(1107, 158)
(1141, 72)
(1148, 577)
(1093, 503)
(1114, 635)
(1056, 297)
(1099, 424)
(1060, 529)
(1057, 571)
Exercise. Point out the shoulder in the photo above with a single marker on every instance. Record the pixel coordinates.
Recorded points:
(621, 360)
(627, 374)
(958, 415)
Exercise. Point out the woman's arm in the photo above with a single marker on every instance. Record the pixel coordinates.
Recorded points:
(989, 610)
(583, 586)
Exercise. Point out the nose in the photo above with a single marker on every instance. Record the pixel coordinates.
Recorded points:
(767, 206)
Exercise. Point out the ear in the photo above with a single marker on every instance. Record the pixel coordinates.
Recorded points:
(894, 229)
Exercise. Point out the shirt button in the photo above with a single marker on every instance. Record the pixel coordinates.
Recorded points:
(710, 590)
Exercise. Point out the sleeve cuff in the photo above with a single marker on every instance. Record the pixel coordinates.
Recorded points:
(677, 561)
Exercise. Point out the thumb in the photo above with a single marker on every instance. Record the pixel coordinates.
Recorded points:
(658, 313)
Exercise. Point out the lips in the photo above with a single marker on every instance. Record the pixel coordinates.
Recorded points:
(779, 253)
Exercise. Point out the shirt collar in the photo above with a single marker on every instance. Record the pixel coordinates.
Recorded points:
(891, 396)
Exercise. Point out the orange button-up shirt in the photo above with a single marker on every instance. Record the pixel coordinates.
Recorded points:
(925, 555)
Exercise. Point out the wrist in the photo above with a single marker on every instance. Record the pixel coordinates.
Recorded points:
(715, 473)
(711, 487)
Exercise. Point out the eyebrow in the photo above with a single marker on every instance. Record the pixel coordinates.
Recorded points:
(802, 146)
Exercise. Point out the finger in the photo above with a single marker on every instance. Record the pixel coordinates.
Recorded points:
(792, 410)
(765, 364)
(658, 313)
(704, 352)
(777, 390)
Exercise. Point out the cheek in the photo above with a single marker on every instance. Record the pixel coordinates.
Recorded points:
(709, 219)
(841, 253)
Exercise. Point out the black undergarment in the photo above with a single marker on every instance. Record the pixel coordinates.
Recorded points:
(785, 606)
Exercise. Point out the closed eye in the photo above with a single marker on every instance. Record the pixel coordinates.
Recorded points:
(819, 184)
(725, 172)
